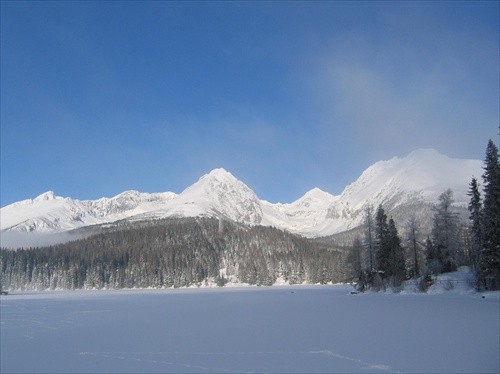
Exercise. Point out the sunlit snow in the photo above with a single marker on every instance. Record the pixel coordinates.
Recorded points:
(420, 177)
(253, 329)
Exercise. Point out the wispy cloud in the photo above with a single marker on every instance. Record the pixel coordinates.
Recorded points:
(400, 90)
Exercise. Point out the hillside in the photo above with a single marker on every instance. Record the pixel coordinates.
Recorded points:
(174, 252)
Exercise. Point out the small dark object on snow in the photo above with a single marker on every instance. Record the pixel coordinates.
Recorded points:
(354, 292)
(483, 297)
(4, 292)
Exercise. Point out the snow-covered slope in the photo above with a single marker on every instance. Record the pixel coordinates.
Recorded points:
(215, 194)
(50, 213)
(307, 216)
(418, 178)
(423, 175)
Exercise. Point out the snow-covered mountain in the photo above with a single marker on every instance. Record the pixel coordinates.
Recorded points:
(50, 213)
(218, 193)
(418, 179)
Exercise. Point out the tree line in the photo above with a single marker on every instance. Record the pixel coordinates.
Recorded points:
(172, 253)
(383, 258)
(180, 252)
(485, 223)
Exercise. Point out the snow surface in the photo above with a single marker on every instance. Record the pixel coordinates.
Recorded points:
(254, 329)
(424, 171)
(418, 178)
(218, 193)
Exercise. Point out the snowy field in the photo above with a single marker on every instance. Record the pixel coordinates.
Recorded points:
(253, 329)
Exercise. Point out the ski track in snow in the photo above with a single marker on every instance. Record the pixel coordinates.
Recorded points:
(129, 356)
(366, 365)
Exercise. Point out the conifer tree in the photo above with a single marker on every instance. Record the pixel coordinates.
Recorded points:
(390, 258)
(425, 280)
(397, 264)
(369, 238)
(382, 249)
(476, 210)
(433, 257)
(489, 272)
(412, 233)
(445, 233)
(355, 264)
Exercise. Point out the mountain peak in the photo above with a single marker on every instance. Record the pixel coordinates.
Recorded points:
(219, 191)
(219, 173)
(49, 195)
(318, 193)
(216, 177)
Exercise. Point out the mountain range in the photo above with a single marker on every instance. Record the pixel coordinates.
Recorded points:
(398, 184)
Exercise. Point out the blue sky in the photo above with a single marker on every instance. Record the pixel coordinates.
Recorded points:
(102, 97)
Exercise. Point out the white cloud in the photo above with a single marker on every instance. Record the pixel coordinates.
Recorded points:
(391, 101)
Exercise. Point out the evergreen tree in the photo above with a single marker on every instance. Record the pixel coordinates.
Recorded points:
(433, 257)
(412, 234)
(489, 272)
(445, 233)
(369, 238)
(390, 259)
(382, 246)
(476, 211)
(355, 264)
(397, 264)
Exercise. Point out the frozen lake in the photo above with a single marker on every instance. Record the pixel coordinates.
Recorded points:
(280, 329)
